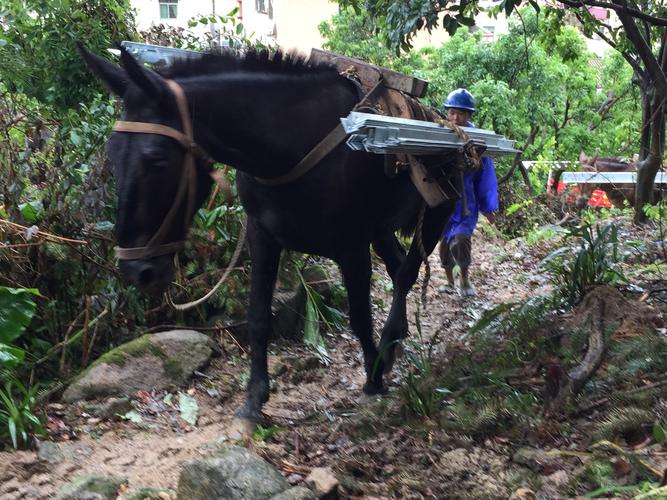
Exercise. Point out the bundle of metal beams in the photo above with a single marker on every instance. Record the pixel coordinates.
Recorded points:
(388, 135)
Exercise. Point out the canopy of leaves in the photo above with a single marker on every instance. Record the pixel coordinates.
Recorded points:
(38, 56)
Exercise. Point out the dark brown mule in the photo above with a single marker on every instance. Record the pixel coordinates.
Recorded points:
(262, 115)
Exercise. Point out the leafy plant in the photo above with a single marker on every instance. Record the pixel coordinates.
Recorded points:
(265, 433)
(421, 393)
(317, 311)
(17, 415)
(17, 308)
(595, 262)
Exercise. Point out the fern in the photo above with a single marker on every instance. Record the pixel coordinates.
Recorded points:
(622, 420)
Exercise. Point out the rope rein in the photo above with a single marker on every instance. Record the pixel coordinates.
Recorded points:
(240, 243)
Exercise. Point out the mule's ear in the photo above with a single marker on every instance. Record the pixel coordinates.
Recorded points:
(113, 77)
(147, 80)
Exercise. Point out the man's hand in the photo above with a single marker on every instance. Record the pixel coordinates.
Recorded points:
(491, 217)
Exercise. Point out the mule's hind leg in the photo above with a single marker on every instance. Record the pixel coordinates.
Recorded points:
(396, 326)
(356, 270)
(265, 256)
(390, 251)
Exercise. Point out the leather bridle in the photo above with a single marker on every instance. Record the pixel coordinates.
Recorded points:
(187, 187)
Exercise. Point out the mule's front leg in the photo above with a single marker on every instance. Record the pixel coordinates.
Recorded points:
(265, 256)
(396, 327)
(356, 269)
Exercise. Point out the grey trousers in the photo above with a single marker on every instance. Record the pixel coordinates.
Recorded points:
(457, 251)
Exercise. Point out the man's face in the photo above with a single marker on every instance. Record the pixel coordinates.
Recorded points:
(459, 117)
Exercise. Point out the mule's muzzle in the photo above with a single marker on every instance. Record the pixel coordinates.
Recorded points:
(148, 275)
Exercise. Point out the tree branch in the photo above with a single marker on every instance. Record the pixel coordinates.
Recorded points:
(643, 50)
(658, 21)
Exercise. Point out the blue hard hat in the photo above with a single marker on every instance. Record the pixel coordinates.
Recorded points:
(460, 99)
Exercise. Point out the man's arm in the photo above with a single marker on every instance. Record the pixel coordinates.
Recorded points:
(487, 190)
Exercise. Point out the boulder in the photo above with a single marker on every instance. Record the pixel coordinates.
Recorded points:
(323, 482)
(235, 474)
(91, 487)
(153, 361)
(297, 493)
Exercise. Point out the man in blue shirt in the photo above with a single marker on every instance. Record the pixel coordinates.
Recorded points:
(482, 196)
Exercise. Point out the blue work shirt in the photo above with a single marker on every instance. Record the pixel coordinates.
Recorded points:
(482, 195)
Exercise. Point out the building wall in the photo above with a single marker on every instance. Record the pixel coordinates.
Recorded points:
(294, 24)
(148, 12)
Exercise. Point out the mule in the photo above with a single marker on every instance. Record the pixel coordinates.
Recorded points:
(262, 114)
(618, 194)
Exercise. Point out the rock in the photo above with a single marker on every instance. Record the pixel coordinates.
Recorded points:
(236, 474)
(297, 493)
(153, 361)
(49, 452)
(109, 409)
(91, 487)
(523, 494)
(149, 494)
(323, 482)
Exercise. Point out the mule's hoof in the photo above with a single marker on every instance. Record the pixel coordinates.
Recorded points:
(467, 291)
(253, 416)
(240, 429)
(373, 389)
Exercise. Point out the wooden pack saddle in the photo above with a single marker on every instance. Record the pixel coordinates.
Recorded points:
(436, 177)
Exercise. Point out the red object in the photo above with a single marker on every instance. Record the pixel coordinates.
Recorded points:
(598, 197)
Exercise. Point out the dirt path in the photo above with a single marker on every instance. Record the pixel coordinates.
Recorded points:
(318, 408)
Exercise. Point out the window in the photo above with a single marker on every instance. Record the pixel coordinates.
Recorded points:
(264, 7)
(488, 33)
(168, 9)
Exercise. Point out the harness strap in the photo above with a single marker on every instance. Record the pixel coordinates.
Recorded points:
(141, 252)
(322, 149)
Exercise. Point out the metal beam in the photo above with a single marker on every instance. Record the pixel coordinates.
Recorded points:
(387, 135)
(607, 177)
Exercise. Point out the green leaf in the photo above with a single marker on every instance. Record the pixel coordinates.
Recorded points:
(31, 211)
(311, 325)
(16, 310)
(659, 434)
(10, 356)
(133, 416)
(188, 408)
(11, 425)
(239, 28)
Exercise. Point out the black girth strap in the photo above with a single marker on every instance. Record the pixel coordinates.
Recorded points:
(323, 148)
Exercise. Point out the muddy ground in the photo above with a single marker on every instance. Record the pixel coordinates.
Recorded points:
(322, 417)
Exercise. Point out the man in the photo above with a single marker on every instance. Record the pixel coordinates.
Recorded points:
(482, 196)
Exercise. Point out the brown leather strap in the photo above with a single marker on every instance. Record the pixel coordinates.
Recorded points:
(323, 148)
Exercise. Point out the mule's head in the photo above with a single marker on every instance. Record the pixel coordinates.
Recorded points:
(149, 169)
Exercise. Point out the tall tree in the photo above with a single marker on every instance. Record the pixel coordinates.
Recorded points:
(636, 29)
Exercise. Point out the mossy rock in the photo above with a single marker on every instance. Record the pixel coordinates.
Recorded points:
(91, 486)
(153, 361)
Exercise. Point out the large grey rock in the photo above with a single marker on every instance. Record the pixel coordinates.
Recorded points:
(236, 474)
(91, 487)
(296, 493)
(153, 361)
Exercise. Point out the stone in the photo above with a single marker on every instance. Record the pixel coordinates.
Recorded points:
(50, 452)
(149, 494)
(109, 409)
(323, 482)
(153, 361)
(523, 494)
(235, 474)
(91, 487)
(296, 493)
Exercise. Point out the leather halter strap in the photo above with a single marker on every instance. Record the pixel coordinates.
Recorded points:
(322, 149)
(187, 187)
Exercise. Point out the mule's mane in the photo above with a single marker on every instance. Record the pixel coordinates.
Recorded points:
(251, 61)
